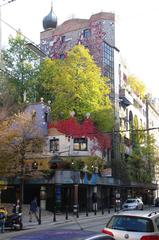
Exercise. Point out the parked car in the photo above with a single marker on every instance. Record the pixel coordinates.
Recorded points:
(133, 204)
(134, 225)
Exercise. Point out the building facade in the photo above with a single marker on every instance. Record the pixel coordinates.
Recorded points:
(68, 141)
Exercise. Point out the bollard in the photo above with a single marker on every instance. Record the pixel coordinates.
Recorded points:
(75, 210)
(86, 210)
(54, 214)
(66, 213)
(95, 209)
(102, 209)
(108, 210)
(77, 215)
(39, 220)
(115, 207)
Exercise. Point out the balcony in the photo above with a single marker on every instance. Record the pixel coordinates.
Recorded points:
(125, 96)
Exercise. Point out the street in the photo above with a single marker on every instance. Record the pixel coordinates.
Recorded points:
(74, 228)
(58, 231)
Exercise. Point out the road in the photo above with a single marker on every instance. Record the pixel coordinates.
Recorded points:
(64, 230)
(60, 231)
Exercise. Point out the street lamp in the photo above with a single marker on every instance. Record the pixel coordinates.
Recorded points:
(157, 189)
(85, 170)
(36, 50)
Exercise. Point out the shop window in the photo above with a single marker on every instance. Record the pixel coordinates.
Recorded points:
(80, 144)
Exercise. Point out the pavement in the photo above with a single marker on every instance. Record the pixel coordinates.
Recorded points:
(49, 217)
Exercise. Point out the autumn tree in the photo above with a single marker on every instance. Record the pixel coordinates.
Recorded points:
(75, 84)
(17, 134)
(137, 86)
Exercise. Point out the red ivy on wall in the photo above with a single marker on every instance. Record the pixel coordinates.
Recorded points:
(72, 128)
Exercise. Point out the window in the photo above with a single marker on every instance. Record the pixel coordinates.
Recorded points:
(107, 156)
(86, 33)
(62, 56)
(46, 117)
(54, 145)
(63, 38)
(108, 60)
(80, 144)
(131, 223)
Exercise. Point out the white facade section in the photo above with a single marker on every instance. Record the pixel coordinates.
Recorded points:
(66, 147)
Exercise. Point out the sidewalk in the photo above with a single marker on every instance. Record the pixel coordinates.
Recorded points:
(49, 217)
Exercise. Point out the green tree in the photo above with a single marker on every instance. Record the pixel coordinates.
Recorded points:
(142, 160)
(76, 85)
(8, 94)
(20, 66)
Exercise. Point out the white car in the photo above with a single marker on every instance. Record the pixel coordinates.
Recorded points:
(134, 225)
(133, 204)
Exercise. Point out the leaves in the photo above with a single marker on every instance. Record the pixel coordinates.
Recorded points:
(20, 65)
(17, 133)
(137, 85)
(75, 83)
(142, 160)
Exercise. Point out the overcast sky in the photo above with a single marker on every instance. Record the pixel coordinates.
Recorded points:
(138, 22)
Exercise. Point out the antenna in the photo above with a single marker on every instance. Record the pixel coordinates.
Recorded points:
(51, 4)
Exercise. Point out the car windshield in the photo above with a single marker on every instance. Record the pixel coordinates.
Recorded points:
(131, 223)
(130, 201)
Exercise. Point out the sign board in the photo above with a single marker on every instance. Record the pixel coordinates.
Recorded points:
(107, 172)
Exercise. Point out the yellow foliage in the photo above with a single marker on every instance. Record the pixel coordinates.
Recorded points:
(137, 86)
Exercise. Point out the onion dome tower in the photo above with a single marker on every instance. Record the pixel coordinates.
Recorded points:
(50, 21)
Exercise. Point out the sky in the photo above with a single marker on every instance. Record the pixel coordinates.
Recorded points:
(137, 20)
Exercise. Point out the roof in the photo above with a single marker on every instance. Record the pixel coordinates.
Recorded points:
(71, 25)
(78, 23)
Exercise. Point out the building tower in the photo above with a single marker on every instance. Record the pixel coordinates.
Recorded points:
(50, 21)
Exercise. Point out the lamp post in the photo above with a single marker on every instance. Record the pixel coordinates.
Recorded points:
(157, 189)
(22, 170)
(85, 171)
